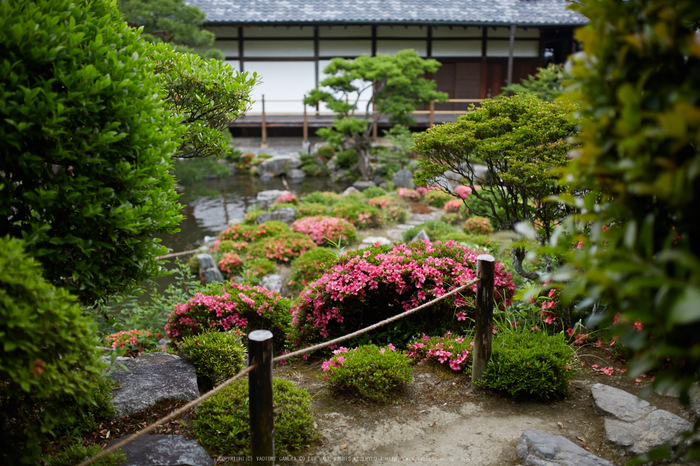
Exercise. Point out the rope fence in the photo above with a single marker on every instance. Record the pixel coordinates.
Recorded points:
(259, 362)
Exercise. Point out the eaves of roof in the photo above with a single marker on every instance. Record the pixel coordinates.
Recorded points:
(398, 12)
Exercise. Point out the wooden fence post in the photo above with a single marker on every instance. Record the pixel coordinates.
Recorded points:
(483, 333)
(262, 429)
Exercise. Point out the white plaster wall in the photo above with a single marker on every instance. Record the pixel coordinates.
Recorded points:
(456, 48)
(344, 48)
(521, 49)
(390, 47)
(283, 85)
(278, 48)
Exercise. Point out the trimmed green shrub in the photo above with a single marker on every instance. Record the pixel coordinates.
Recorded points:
(477, 226)
(255, 269)
(374, 191)
(233, 305)
(529, 364)
(310, 266)
(311, 209)
(49, 366)
(250, 233)
(327, 198)
(216, 356)
(370, 372)
(437, 198)
(87, 145)
(222, 424)
(284, 247)
(358, 213)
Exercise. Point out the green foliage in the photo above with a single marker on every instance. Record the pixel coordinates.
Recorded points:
(216, 356)
(547, 84)
(76, 453)
(48, 357)
(192, 171)
(283, 247)
(205, 95)
(221, 423)
(359, 214)
(310, 266)
(529, 364)
(132, 311)
(171, 21)
(133, 342)
(374, 191)
(640, 158)
(393, 84)
(345, 159)
(369, 372)
(327, 198)
(437, 198)
(520, 140)
(437, 230)
(86, 145)
(256, 268)
(311, 209)
(246, 232)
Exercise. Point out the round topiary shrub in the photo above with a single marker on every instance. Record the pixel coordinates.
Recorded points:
(49, 366)
(221, 423)
(326, 230)
(237, 306)
(409, 194)
(284, 247)
(255, 269)
(311, 209)
(367, 286)
(374, 191)
(477, 226)
(529, 364)
(361, 215)
(216, 356)
(310, 266)
(327, 198)
(453, 205)
(437, 198)
(369, 372)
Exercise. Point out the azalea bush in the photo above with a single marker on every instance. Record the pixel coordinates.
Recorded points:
(478, 226)
(449, 350)
(453, 205)
(462, 191)
(237, 305)
(393, 208)
(287, 198)
(326, 230)
(409, 194)
(369, 372)
(527, 363)
(437, 198)
(369, 285)
(310, 266)
(230, 264)
(133, 342)
(361, 215)
(284, 247)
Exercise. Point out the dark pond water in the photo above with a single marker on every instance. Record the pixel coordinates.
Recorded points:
(210, 206)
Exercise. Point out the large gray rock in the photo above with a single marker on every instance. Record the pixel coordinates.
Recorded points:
(285, 214)
(538, 448)
(165, 450)
(272, 282)
(265, 199)
(208, 269)
(295, 174)
(421, 236)
(403, 179)
(636, 425)
(350, 190)
(372, 240)
(362, 185)
(151, 378)
(278, 165)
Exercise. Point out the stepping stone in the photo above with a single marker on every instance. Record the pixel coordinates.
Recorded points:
(636, 425)
(538, 448)
(372, 240)
(165, 450)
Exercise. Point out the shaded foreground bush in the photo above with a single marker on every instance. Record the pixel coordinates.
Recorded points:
(221, 423)
(372, 284)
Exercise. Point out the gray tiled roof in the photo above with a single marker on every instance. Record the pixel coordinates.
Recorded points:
(476, 12)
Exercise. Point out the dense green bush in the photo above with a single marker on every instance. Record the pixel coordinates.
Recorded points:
(437, 198)
(477, 226)
(247, 232)
(76, 453)
(374, 191)
(327, 198)
(369, 372)
(255, 269)
(87, 145)
(437, 230)
(359, 214)
(310, 266)
(345, 159)
(216, 356)
(49, 366)
(311, 209)
(222, 423)
(529, 364)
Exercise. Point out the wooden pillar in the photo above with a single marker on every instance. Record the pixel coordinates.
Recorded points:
(263, 129)
(483, 333)
(262, 429)
(511, 52)
(305, 128)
